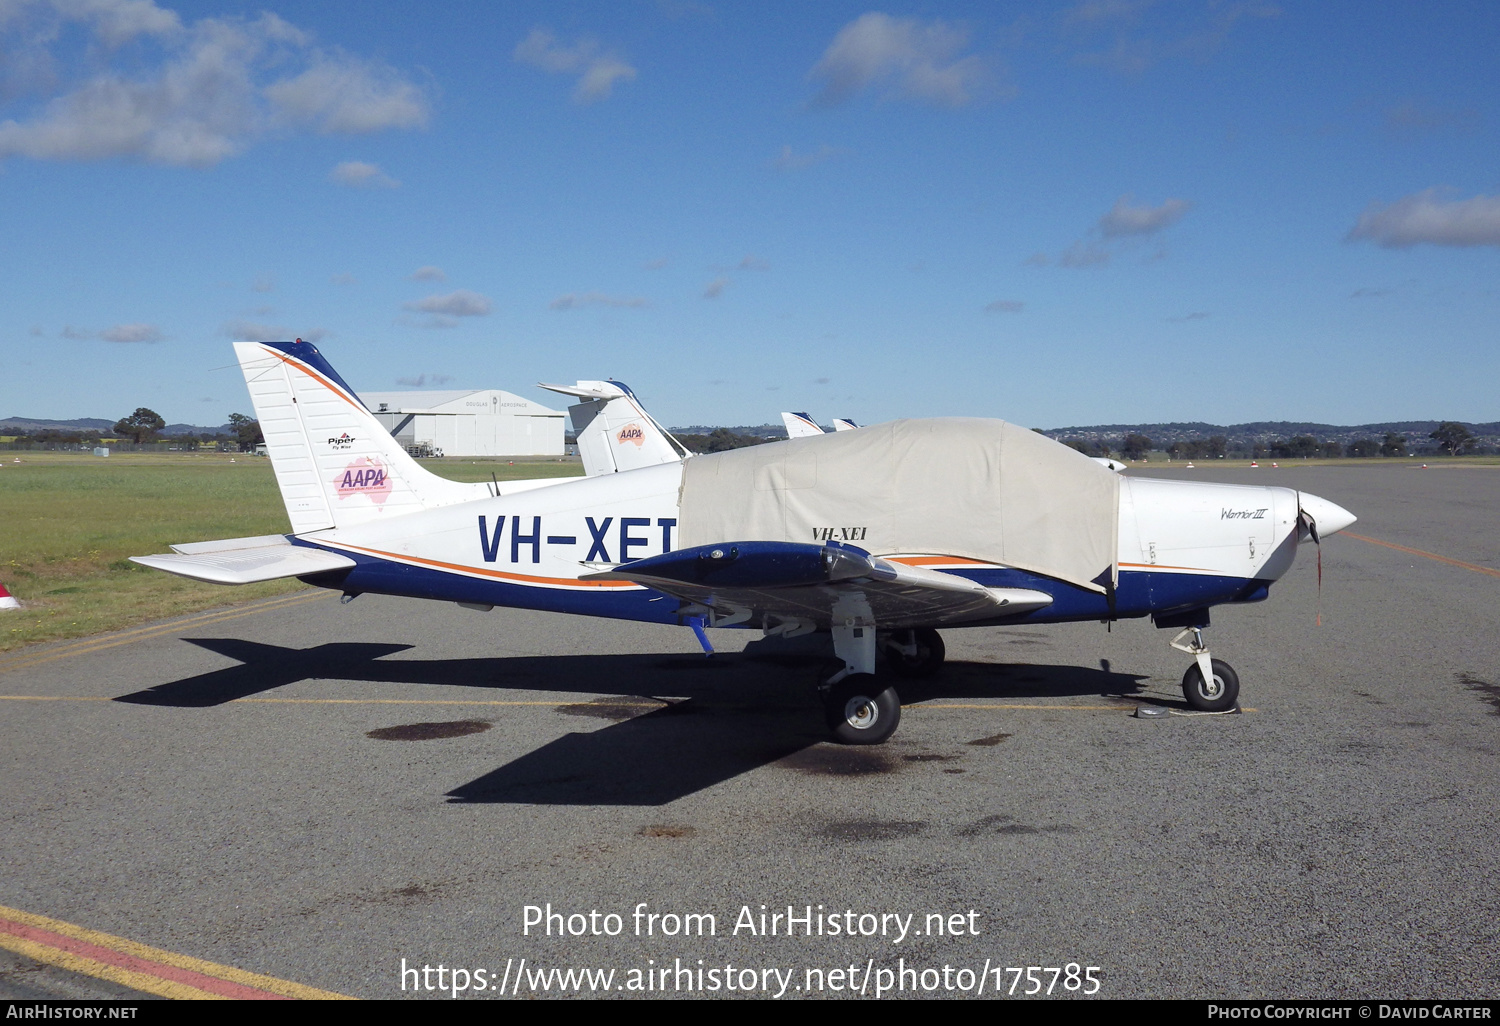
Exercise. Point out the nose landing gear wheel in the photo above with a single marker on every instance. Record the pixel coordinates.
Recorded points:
(1215, 696)
(862, 711)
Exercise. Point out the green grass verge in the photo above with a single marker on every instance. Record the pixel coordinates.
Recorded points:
(68, 522)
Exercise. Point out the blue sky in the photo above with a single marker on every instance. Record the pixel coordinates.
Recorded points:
(1084, 212)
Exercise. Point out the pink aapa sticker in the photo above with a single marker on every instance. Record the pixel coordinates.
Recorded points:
(365, 476)
(631, 433)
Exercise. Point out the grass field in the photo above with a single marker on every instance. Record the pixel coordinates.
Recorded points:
(68, 521)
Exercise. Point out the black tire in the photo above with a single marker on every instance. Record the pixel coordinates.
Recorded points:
(861, 710)
(930, 653)
(1223, 693)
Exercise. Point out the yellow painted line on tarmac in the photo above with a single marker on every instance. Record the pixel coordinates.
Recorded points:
(143, 633)
(1428, 555)
(140, 966)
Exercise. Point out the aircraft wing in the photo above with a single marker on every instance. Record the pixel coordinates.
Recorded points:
(245, 560)
(758, 582)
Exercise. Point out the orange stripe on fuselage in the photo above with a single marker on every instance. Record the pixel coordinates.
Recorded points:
(1157, 566)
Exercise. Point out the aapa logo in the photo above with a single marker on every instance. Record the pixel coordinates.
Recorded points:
(365, 476)
(343, 441)
(631, 433)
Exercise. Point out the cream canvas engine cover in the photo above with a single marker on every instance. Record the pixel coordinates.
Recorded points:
(979, 489)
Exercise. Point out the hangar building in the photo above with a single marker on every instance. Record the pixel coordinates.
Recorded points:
(469, 422)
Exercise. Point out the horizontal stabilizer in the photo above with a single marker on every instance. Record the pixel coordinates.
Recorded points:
(235, 562)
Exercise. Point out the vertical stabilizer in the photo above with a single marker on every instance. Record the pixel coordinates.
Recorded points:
(614, 432)
(800, 425)
(337, 466)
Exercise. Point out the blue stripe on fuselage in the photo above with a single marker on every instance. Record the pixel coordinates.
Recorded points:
(387, 577)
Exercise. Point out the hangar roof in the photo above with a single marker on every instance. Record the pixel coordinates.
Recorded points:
(457, 401)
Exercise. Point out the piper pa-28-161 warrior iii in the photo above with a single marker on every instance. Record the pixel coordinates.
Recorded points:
(878, 536)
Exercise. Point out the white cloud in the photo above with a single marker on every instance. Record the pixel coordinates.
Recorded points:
(249, 331)
(423, 380)
(597, 71)
(359, 175)
(1141, 33)
(132, 333)
(790, 160)
(199, 94)
(1124, 219)
(341, 94)
(1083, 254)
(428, 273)
(919, 61)
(1005, 306)
(70, 332)
(117, 22)
(575, 301)
(715, 288)
(455, 304)
(1427, 217)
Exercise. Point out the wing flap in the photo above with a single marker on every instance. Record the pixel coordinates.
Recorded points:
(230, 562)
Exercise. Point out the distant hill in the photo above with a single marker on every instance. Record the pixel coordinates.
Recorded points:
(95, 424)
(757, 430)
(1262, 431)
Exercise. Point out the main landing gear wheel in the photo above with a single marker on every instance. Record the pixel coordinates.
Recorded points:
(925, 661)
(1214, 696)
(861, 710)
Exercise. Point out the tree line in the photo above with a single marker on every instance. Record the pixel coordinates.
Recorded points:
(144, 427)
(1452, 438)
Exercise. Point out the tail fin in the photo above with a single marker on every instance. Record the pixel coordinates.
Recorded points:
(614, 431)
(844, 424)
(800, 425)
(336, 464)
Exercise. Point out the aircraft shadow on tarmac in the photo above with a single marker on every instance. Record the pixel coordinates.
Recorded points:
(722, 718)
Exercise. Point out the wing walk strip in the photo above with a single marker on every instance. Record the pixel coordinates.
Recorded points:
(139, 966)
(98, 643)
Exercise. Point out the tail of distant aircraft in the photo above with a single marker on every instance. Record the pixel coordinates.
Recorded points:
(337, 466)
(800, 425)
(614, 431)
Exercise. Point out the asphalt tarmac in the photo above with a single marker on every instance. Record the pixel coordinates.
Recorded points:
(317, 791)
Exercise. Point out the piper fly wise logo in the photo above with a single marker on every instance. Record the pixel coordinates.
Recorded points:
(632, 433)
(365, 476)
(343, 441)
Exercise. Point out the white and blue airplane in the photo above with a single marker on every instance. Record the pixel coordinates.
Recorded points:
(878, 537)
